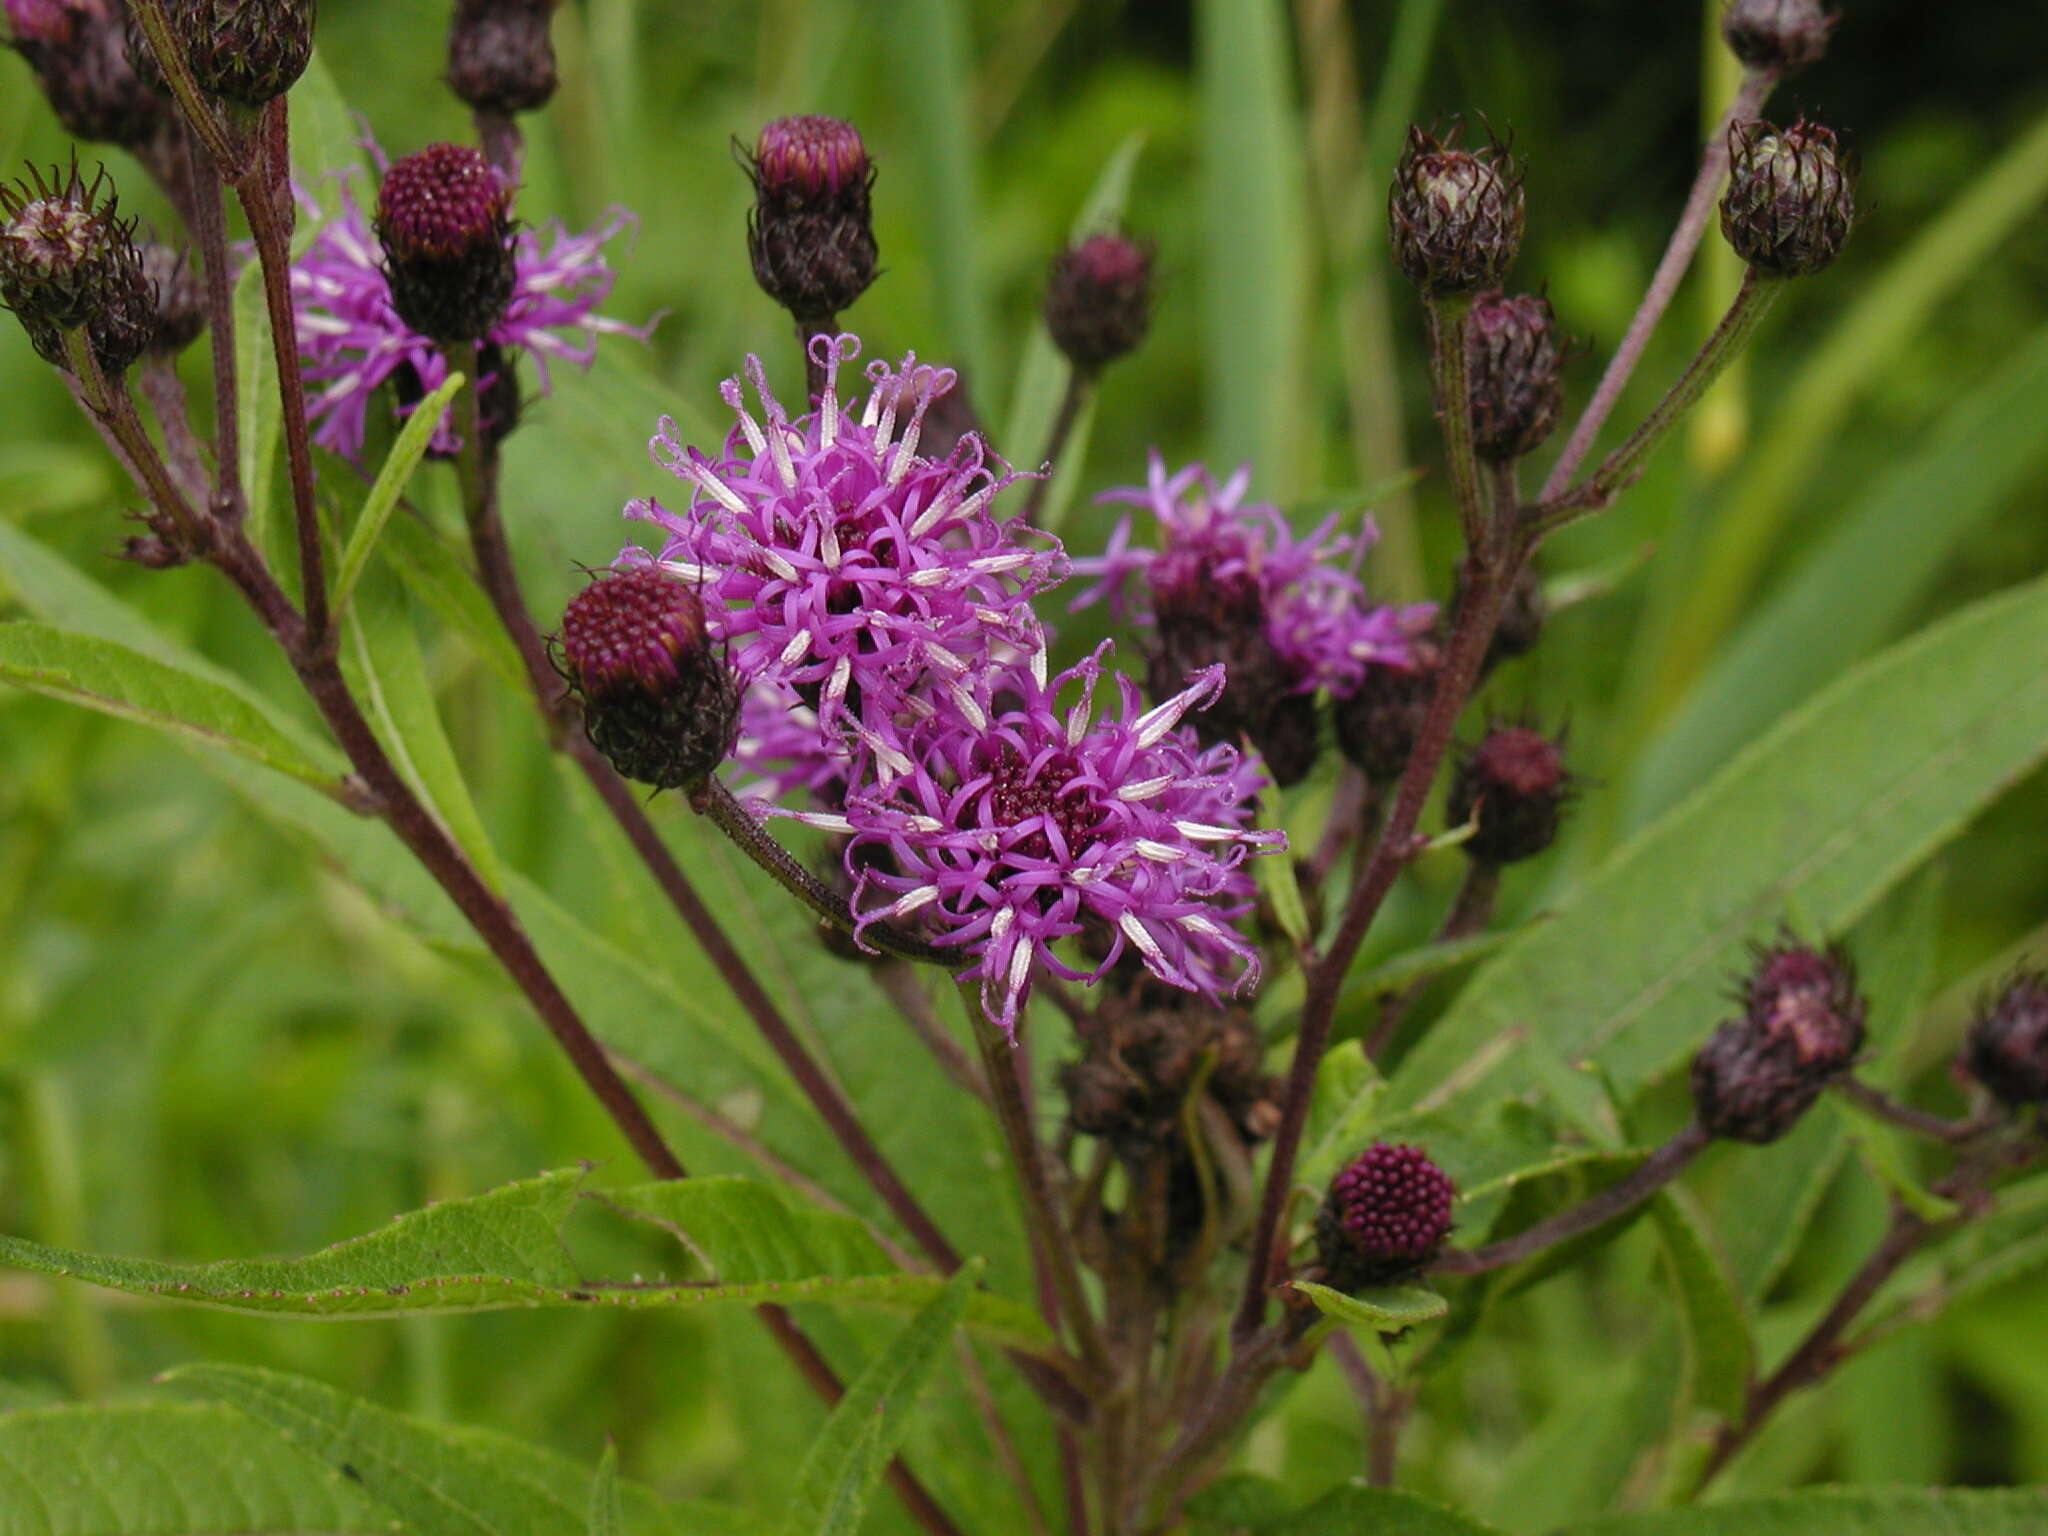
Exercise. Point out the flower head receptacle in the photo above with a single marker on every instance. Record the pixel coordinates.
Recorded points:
(2007, 1049)
(658, 698)
(1801, 1025)
(811, 232)
(1781, 36)
(1098, 300)
(1455, 215)
(1514, 786)
(1387, 1215)
(501, 54)
(444, 214)
(69, 260)
(1514, 372)
(1791, 197)
(78, 50)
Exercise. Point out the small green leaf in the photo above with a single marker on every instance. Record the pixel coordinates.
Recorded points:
(1719, 1354)
(1341, 1110)
(262, 419)
(1355, 1511)
(606, 1517)
(1886, 1151)
(846, 1460)
(392, 479)
(1281, 887)
(111, 678)
(1383, 1309)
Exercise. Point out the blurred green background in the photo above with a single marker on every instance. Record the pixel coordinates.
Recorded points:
(211, 1045)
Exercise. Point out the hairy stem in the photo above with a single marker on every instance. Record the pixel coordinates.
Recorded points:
(1655, 1171)
(1450, 367)
(1072, 399)
(1671, 270)
(1753, 300)
(211, 230)
(1919, 1121)
(1485, 587)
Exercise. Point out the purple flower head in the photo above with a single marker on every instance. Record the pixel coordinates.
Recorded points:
(352, 341)
(1005, 821)
(840, 563)
(1237, 559)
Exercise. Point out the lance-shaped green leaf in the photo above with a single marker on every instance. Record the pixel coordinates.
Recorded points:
(846, 1460)
(144, 1469)
(389, 485)
(1846, 1512)
(1823, 815)
(1719, 1354)
(504, 1249)
(106, 676)
(438, 1480)
(1382, 1309)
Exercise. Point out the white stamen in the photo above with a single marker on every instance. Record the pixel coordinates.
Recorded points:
(799, 646)
(1135, 932)
(1145, 789)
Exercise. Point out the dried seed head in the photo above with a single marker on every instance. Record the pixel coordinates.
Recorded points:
(1778, 35)
(1377, 724)
(1098, 301)
(1801, 1027)
(180, 298)
(78, 50)
(445, 217)
(658, 701)
(2007, 1049)
(1516, 374)
(1455, 215)
(811, 233)
(1515, 784)
(68, 259)
(1149, 1053)
(1791, 197)
(1385, 1218)
(501, 56)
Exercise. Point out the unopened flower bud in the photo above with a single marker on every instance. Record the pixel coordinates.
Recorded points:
(1455, 215)
(1098, 301)
(501, 57)
(1791, 197)
(1800, 1028)
(1378, 721)
(78, 50)
(180, 298)
(2007, 1049)
(68, 260)
(811, 232)
(248, 52)
(1778, 35)
(445, 217)
(658, 700)
(1514, 784)
(1385, 1218)
(1515, 374)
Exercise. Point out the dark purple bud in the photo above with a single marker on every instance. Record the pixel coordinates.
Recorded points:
(1386, 1217)
(1377, 723)
(658, 700)
(2008, 1046)
(811, 232)
(445, 217)
(1098, 300)
(1205, 619)
(1516, 374)
(1791, 197)
(180, 298)
(78, 50)
(1778, 35)
(501, 57)
(1801, 1027)
(248, 52)
(1455, 215)
(1514, 783)
(68, 259)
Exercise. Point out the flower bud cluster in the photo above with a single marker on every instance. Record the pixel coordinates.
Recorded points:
(1800, 1028)
(1455, 214)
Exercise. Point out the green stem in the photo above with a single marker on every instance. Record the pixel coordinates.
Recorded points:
(1449, 367)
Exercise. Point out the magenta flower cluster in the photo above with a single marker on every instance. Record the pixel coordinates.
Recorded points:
(352, 342)
(1317, 619)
